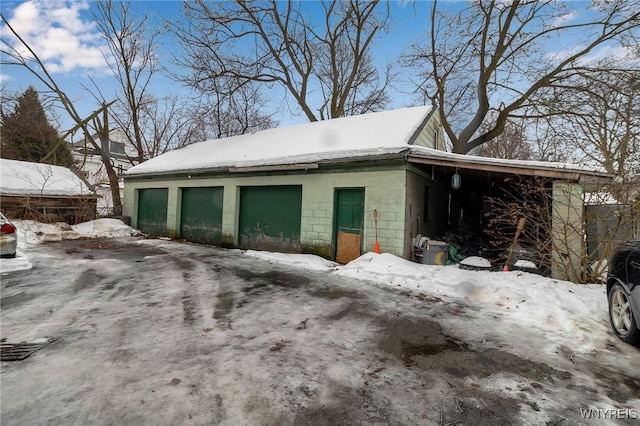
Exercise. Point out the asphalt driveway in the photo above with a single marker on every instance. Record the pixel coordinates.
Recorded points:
(150, 332)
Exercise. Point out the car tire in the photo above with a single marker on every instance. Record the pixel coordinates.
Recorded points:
(621, 317)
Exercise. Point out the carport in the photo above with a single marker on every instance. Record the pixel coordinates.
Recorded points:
(459, 189)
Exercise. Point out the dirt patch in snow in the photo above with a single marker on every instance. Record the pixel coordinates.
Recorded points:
(260, 280)
(104, 248)
(422, 345)
(7, 302)
(88, 279)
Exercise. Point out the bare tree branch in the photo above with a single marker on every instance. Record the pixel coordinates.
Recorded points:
(323, 63)
(502, 45)
(33, 64)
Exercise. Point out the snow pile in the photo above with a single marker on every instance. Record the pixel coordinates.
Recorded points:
(304, 261)
(31, 233)
(104, 228)
(554, 312)
(20, 263)
(388, 269)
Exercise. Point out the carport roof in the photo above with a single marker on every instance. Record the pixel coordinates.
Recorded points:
(422, 155)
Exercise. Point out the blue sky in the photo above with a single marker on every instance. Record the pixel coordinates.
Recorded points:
(64, 36)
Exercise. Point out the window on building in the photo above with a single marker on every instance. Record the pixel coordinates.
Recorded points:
(117, 147)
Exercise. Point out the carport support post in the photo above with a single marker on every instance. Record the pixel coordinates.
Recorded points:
(567, 231)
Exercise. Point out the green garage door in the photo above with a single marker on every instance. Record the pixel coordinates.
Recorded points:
(152, 210)
(201, 215)
(270, 218)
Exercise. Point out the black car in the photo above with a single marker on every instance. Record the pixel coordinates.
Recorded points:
(623, 290)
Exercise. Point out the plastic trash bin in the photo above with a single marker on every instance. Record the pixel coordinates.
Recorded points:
(435, 253)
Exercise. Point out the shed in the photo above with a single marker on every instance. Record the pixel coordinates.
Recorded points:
(318, 187)
(44, 192)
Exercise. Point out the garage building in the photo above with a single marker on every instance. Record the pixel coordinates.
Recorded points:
(319, 187)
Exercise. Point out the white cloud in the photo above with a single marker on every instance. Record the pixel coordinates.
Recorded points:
(564, 19)
(617, 54)
(5, 79)
(622, 55)
(61, 34)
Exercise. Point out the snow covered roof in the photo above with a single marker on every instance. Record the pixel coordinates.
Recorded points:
(368, 136)
(362, 136)
(25, 178)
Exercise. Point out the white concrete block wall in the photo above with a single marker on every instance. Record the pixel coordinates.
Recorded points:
(384, 191)
(567, 231)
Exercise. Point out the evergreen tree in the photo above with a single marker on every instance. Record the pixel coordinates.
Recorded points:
(27, 135)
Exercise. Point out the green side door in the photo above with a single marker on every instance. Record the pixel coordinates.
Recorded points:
(152, 210)
(270, 218)
(201, 214)
(349, 223)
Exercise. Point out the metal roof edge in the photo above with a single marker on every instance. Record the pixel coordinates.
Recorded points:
(387, 155)
(501, 165)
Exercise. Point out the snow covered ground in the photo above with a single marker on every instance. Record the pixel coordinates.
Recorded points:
(536, 318)
(558, 313)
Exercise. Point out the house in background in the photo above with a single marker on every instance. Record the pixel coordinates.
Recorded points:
(44, 193)
(122, 154)
(319, 187)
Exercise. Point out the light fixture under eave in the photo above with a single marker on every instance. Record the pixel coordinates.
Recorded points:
(456, 181)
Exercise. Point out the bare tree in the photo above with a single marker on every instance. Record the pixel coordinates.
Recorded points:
(153, 125)
(324, 63)
(156, 125)
(547, 145)
(24, 56)
(219, 116)
(8, 99)
(549, 238)
(490, 56)
(599, 120)
(512, 143)
(531, 199)
(163, 124)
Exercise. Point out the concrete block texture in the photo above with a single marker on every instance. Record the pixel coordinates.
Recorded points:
(384, 191)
